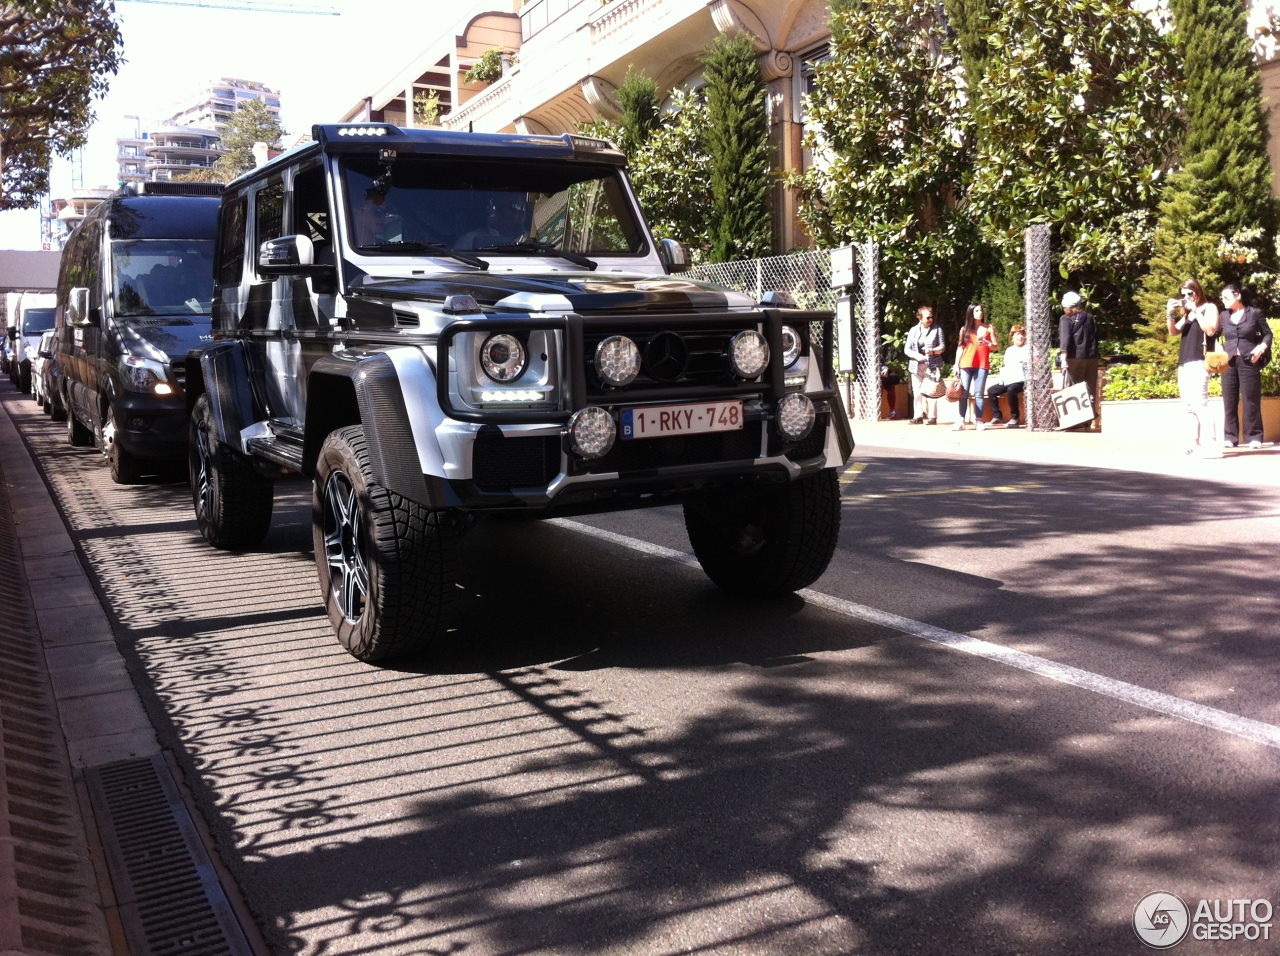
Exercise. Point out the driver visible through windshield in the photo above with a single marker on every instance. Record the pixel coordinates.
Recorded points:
(158, 277)
(421, 204)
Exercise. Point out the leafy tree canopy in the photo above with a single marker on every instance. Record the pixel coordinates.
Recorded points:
(893, 144)
(251, 123)
(55, 58)
(1078, 113)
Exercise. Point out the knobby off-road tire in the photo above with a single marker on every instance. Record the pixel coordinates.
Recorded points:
(232, 501)
(126, 468)
(387, 565)
(767, 542)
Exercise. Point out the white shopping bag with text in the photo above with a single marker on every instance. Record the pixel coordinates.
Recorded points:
(1073, 405)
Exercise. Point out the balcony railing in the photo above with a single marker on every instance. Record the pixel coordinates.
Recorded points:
(538, 15)
(480, 105)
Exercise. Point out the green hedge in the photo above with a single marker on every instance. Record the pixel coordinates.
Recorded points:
(1145, 380)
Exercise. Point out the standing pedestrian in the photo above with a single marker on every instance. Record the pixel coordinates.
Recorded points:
(925, 345)
(973, 362)
(1247, 339)
(1013, 378)
(1195, 319)
(1078, 341)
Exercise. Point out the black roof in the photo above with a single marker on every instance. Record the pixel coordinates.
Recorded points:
(159, 217)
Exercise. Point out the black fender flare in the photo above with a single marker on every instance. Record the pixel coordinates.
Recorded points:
(348, 388)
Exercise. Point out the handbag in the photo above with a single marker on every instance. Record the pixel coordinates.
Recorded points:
(1216, 360)
(954, 391)
(933, 386)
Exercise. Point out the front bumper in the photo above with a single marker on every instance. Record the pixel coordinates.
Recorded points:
(151, 426)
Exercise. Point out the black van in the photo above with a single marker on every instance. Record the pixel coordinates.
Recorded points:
(134, 291)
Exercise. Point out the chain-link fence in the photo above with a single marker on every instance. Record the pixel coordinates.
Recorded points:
(807, 276)
(1041, 415)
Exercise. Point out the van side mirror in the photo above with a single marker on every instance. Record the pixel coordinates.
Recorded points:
(78, 307)
(13, 333)
(289, 256)
(674, 256)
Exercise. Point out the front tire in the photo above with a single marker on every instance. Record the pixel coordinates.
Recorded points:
(232, 501)
(767, 542)
(386, 564)
(57, 412)
(126, 468)
(77, 435)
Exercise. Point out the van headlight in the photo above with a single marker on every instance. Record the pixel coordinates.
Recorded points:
(144, 375)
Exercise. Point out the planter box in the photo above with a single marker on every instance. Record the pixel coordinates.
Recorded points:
(1163, 421)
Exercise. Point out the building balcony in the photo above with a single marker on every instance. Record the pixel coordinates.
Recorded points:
(485, 111)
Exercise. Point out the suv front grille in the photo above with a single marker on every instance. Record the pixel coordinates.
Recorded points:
(707, 363)
(499, 462)
(647, 454)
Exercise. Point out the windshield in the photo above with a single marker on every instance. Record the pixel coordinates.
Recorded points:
(37, 320)
(416, 204)
(163, 276)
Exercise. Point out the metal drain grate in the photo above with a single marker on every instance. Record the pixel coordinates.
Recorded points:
(169, 897)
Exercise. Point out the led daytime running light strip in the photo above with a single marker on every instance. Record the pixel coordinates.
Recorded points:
(516, 395)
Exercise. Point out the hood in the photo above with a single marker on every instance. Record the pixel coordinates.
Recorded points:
(164, 338)
(564, 292)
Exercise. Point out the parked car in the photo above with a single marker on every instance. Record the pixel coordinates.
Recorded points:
(33, 317)
(435, 325)
(43, 352)
(49, 378)
(134, 288)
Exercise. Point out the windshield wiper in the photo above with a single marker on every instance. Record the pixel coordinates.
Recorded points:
(575, 257)
(413, 245)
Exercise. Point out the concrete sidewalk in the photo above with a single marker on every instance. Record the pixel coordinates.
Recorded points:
(1078, 449)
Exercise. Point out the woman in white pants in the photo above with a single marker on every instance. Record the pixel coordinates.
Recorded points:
(925, 345)
(1194, 319)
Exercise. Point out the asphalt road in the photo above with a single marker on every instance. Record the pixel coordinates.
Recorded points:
(610, 756)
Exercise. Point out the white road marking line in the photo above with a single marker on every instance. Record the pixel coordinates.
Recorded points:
(1245, 727)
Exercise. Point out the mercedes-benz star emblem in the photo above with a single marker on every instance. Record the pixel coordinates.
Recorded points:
(666, 357)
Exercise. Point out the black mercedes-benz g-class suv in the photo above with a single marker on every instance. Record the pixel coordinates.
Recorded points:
(435, 325)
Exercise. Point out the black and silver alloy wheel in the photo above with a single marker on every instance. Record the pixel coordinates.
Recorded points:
(343, 548)
(126, 468)
(232, 501)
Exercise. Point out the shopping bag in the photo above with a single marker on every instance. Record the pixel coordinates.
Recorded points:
(1074, 405)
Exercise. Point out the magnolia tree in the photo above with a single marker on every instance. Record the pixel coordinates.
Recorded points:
(55, 58)
(893, 142)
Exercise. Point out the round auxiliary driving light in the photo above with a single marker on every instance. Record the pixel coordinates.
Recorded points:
(790, 346)
(617, 361)
(795, 416)
(591, 432)
(748, 354)
(502, 357)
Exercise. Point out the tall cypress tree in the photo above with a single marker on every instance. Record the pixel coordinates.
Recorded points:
(969, 19)
(1224, 183)
(638, 97)
(738, 141)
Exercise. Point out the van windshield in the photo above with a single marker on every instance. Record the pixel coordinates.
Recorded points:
(154, 277)
(35, 321)
(492, 207)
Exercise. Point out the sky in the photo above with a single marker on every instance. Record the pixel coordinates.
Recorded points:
(321, 64)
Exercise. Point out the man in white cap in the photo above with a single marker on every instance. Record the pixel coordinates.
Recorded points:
(1078, 339)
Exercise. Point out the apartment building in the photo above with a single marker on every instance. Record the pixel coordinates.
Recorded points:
(563, 61)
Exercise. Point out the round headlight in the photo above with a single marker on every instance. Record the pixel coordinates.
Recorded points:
(591, 432)
(795, 416)
(617, 361)
(502, 357)
(790, 346)
(748, 353)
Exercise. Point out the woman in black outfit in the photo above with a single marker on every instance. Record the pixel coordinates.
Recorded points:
(1247, 339)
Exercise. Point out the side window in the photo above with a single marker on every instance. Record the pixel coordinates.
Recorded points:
(311, 206)
(269, 213)
(231, 242)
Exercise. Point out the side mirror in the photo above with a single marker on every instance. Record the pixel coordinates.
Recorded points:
(45, 354)
(78, 307)
(288, 256)
(13, 333)
(674, 256)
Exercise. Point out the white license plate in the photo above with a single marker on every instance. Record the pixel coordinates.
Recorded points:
(653, 421)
